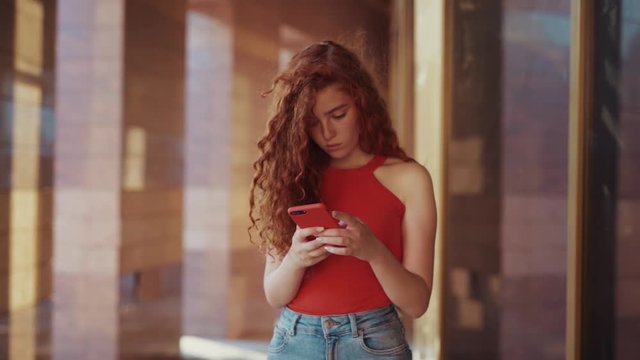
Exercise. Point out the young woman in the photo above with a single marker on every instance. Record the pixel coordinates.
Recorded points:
(330, 140)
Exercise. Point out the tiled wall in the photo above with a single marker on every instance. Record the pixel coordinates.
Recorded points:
(206, 237)
(153, 158)
(89, 87)
(157, 114)
(153, 135)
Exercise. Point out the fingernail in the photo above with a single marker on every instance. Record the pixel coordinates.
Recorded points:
(319, 229)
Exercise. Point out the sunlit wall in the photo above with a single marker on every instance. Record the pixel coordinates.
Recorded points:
(140, 222)
(157, 112)
(26, 146)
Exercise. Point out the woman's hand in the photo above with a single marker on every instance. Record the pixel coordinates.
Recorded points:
(304, 252)
(356, 239)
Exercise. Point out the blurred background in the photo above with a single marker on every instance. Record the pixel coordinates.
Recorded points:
(128, 129)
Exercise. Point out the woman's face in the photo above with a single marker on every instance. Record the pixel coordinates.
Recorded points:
(334, 125)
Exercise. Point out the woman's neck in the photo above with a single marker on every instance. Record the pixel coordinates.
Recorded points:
(356, 159)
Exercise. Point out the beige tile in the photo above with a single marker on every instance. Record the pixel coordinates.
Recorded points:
(149, 254)
(151, 228)
(70, 172)
(103, 172)
(101, 260)
(24, 249)
(103, 233)
(71, 205)
(146, 202)
(459, 280)
(22, 288)
(24, 209)
(470, 314)
(109, 14)
(68, 258)
(72, 108)
(98, 292)
(77, 13)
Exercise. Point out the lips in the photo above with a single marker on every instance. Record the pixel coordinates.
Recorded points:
(333, 147)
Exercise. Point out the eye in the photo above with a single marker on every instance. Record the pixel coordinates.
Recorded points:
(340, 116)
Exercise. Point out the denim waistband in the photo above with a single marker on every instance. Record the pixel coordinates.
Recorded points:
(335, 325)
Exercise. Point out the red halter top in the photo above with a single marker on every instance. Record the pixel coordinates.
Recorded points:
(344, 284)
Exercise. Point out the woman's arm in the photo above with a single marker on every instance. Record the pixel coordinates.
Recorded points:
(282, 277)
(407, 284)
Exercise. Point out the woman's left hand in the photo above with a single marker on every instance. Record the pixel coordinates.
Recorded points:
(356, 239)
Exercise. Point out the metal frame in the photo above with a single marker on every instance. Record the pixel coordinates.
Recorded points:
(580, 113)
(433, 56)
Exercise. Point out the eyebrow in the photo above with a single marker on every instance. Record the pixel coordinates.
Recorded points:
(336, 108)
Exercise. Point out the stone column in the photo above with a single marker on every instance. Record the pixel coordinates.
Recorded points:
(209, 79)
(87, 184)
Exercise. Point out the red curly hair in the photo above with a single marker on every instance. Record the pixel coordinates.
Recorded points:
(289, 168)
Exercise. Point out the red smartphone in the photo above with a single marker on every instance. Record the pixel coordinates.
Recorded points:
(312, 215)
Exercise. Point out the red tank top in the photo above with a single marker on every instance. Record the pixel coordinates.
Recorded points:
(345, 284)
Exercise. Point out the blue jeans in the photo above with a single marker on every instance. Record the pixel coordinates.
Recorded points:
(374, 334)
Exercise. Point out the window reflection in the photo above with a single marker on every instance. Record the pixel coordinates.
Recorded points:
(506, 224)
(627, 290)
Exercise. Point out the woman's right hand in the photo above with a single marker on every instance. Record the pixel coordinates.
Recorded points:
(282, 277)
(304, 252)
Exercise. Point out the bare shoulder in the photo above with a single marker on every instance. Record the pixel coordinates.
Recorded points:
(404, 178)
(407, 172)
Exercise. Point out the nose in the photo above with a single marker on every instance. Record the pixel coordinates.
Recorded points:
(328, 130)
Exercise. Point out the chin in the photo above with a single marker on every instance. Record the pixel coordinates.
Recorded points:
(336, 155)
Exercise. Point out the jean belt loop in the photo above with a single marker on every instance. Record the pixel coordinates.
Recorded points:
(294, 322)
(354, 325)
